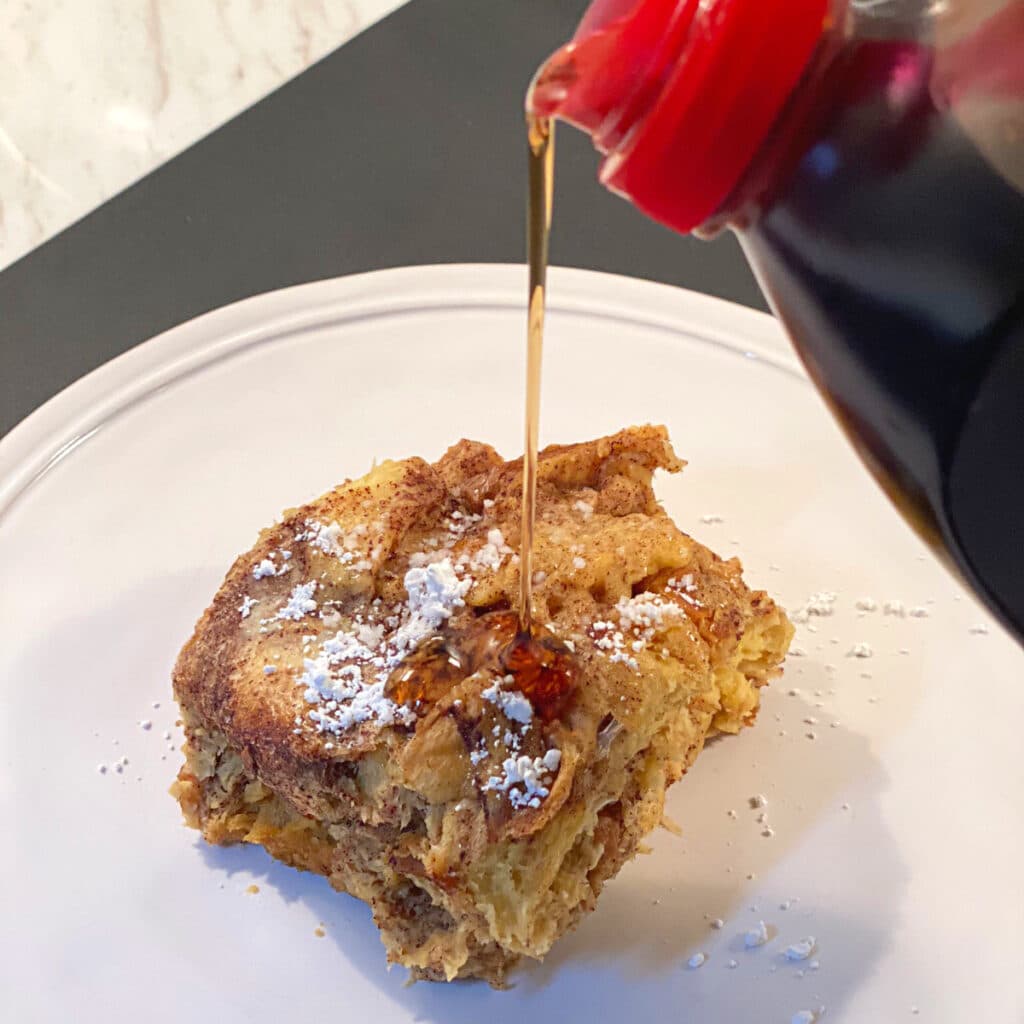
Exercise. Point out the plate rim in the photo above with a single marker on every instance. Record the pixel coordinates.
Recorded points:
(68, 419)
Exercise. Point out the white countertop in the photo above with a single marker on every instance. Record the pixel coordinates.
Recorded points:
(96, 93)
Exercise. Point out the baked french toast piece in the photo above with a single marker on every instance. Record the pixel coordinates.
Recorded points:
(348, 705)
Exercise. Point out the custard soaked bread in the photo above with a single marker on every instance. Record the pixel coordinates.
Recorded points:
(355, 701)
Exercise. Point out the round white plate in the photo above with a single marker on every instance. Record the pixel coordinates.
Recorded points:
(896, 829)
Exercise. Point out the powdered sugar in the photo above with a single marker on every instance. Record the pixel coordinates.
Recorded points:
(492, 554)
(267, 567)
(800, 950)
(820, 604)
(584, 508)
(435, 591)
(350, 547)
(513, 704)
(646, 612)
(526, 780)
(346, 677)
(300, 602)
(640, 620)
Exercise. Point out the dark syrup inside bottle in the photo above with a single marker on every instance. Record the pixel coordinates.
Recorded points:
(893, 251)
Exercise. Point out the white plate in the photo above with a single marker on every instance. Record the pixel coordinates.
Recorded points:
(897, 830)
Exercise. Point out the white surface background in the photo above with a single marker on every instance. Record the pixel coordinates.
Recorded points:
(897, 829)
(96, 93)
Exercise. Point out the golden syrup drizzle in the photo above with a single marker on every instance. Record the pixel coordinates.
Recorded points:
(541, 138)
(425, 675)
(544, 670)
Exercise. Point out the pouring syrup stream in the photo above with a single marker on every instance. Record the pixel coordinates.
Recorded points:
(503, 642)
(541, 139)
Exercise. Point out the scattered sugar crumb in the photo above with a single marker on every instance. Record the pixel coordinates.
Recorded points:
(247, 605)
(802, 1017)
(800, 950)
(717, 923)
(758, 800)
(918, 612)
(145, 725)
(511, 702)
(733, 964)
(860, 650)
(579, 563)
(820, 604)
(768, 833)
(896, 608)
(102, 769)
(978, 630)
(319, 932)
(525, 779)
(756, 936)
(867, 604)
(710, 519)
(814, 965)
(156, 705)
(695, 961)
(252, 890)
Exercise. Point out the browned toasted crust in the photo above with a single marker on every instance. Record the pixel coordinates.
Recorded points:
(398, 813)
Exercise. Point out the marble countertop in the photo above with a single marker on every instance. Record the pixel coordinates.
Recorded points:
(96, 93)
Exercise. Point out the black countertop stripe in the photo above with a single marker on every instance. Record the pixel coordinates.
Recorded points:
(404, 146)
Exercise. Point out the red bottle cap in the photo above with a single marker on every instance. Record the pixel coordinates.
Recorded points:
(679, 94)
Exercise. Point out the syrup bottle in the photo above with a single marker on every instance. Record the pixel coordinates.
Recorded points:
(870, 156)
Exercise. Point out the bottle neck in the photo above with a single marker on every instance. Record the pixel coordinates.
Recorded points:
(681, 96)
